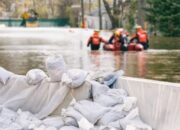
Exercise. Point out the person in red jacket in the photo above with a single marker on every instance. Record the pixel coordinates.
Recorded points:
(119, 39)
(142, 37)
(95, 41)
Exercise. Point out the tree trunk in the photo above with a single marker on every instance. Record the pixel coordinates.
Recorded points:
(100, 15)
(140, 17)
(90, 4)
(82, 11)
(114, 6)
(34, 4)
(110, 14)
(51, 7)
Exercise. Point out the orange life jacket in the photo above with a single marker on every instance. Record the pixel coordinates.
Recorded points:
(142, 36)
(96, 40)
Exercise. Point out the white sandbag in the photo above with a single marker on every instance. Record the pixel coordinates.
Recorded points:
(56, 122)
(116, 113)
(132, 115)
(15, 85)
(97, 75)
(66, 80)
(19, 99)
(92, 111)
(121, 92)
(133, 119)
(116, 93)
(111, 78)
(73, 101)
(41, 100)
(55, 66)
(25, 119)
(98, 89)
(42, 127)
(51, 128)
(35, 76)
(72, 112)
(129, 127)
(129, 103)
(70, 121)
(69, 128)
(110, 98)
(106, 100)
(103, 128)
(111, 116)
(84, 124)
(5, 122)
(107, 128)
(78, 77)
(4, 75)
(107, 78)
(116, 124)
(71, 116)
(53, 101)
(137, 124)
(12, 126)
(7, 119)
(8, 114)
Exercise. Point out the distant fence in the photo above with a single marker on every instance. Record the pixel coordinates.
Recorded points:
(42, 22)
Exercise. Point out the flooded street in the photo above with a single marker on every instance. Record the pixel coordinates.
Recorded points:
(23, 50)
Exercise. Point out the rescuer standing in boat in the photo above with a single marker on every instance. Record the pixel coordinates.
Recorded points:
(119, 40)
(142, 37)
(95, 41)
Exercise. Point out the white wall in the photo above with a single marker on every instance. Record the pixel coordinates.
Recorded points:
(159, 102)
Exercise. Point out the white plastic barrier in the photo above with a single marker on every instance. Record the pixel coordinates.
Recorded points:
(158, 102)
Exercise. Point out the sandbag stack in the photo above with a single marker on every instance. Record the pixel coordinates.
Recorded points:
(109, 109)
(28, 102)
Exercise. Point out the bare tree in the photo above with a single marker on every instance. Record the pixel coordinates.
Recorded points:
(51, 12)
(34, 4)
(45, 8)
(90, 4)
(116, 11)
(7, 4)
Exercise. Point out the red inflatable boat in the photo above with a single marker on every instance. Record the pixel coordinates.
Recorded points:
(111, 47)
(135, 47)
(130, 47)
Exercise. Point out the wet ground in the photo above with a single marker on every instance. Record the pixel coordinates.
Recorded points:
(25, 49)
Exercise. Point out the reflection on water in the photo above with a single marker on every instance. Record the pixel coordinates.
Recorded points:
(20, 55)
(165, 42)
(164, 66)
(133, 63)
(136, 64)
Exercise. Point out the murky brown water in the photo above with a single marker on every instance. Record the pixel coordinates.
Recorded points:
(20, 54)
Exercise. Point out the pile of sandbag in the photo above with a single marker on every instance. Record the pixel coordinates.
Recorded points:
(38, 93)
(59, 102)
(108, 109)
(10, 120)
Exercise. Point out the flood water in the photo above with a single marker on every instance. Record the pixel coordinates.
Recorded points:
(22, 50)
